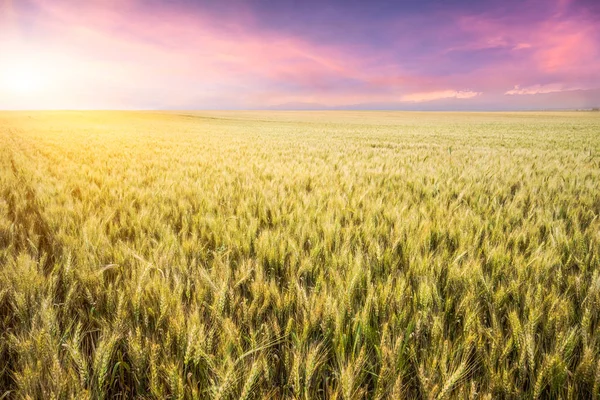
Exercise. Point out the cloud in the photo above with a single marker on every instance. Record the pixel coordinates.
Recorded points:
(437, 95)
(563, 46)
(186, 54)
(538, 89)
(521, 46)
(175, 55)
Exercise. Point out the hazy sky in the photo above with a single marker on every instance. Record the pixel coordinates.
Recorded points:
(193, 54)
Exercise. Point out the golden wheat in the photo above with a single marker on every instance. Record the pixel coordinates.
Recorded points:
(300, 255)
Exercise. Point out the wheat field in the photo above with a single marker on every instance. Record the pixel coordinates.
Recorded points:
(299, 255)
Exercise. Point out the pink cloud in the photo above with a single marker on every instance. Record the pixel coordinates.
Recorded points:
(521, 46)
(563, 47)
(120, 50)
(538, 89)
(186, 55)
(437, 95)
(567, 47)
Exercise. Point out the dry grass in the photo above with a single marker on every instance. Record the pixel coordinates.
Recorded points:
(299, 255)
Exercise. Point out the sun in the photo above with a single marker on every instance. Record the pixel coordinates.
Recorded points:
(35, 78)
(23, 79)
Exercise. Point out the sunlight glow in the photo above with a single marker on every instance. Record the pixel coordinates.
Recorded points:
(34, 78)
(24, 80)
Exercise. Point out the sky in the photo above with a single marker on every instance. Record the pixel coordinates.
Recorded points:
(293, 54)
